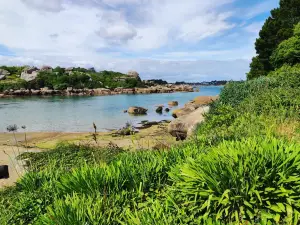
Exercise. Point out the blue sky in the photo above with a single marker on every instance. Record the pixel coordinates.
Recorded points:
(176, 40)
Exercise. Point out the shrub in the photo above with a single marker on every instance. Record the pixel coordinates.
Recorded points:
(281, 102)
(288, 52)
(235, 92)
(287, 76)
(253, 180)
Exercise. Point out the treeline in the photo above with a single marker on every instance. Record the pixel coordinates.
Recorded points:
(278, 41)
(204, 83)
(60, 78)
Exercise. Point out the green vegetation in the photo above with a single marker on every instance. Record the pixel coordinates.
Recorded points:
(277, 28)
(241, 167)
(59, 79)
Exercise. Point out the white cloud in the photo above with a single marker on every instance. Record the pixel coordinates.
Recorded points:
(76, 32)
(47, 5)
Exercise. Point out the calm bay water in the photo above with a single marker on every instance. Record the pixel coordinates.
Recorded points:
(76, 114)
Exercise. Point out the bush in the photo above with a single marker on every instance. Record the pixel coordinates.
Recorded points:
(287, 52)
(287, 76)
(235, 92)
(253, 180)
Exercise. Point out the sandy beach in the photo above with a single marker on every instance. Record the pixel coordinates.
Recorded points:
(11, 146)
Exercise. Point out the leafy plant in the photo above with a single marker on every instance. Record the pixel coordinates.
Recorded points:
(252, 180)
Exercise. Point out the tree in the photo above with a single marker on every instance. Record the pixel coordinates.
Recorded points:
(277, 28)
(257, 69)
(288, 51)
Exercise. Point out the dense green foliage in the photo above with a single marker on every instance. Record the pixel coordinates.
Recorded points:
(288, 51)
(241, 167)
(277, 28)
(60, 78)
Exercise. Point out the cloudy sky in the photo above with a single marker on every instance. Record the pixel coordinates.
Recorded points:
(176, 40)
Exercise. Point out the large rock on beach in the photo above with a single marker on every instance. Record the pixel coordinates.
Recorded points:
(135, 110)
(204, 100)
(173, 103)
(184, 126)
(183, 111)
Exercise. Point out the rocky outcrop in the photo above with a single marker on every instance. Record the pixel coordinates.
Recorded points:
(193, 105)
(29, 73)
(101, 91)
(173, 103)
(133, 74)
(27, 92)
(183, 111)
(188, 117)
(46, 68)
(135, 110)
(3, 74)
(184, 126)
(204, 100)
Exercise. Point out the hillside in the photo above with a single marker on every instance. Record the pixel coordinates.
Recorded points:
(241, 167)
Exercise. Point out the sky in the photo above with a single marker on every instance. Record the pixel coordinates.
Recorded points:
(174, 40)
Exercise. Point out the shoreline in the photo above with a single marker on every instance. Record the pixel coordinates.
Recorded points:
(144, 135)
(158, 89)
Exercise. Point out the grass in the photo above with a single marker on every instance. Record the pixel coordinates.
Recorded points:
(241, 167)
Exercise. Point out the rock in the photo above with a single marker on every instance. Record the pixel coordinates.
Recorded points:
(35, 92)
(135, 110)
(125, 111)
(204, 100)
(4, 72)
(2, 77)
(184, 126)
(29, 74)
(159, 109)
(167, 109)
(133, 73)
(102, 91)
(69, 69)
(46, 68)
(181, 112)
(173, 103)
